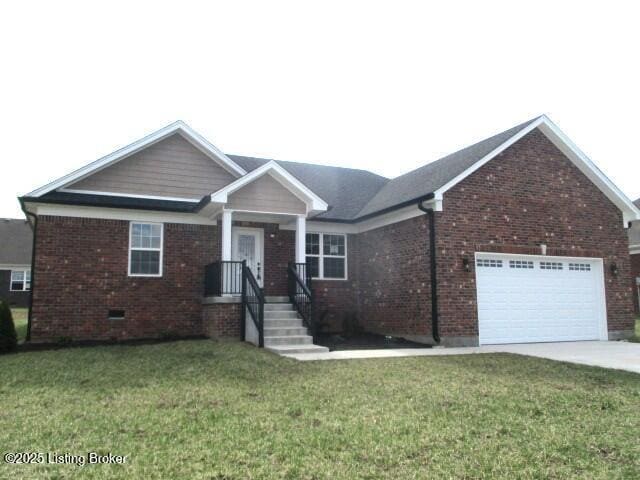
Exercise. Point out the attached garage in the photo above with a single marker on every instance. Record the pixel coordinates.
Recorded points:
(525, 299)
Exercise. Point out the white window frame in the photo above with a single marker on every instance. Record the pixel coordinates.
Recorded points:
(24, 272)
(150, 249)
(321, 256)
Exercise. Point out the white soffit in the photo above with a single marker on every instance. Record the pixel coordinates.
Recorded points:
(178, 127)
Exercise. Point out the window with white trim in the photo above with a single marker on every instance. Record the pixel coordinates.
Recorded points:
(326, 255)
(145, 249)
(20, 280)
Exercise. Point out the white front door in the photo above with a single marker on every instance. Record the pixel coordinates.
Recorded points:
(527, 298)
(248, 244)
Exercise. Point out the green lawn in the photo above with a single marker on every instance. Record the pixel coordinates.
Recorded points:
(202, 409)
(20, 321)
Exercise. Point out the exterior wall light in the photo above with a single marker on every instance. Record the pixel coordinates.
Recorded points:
(466, 265)
(614, 269)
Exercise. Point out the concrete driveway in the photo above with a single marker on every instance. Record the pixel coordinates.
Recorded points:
(617, 355)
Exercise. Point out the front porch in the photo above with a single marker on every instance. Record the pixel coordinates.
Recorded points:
(260, 284)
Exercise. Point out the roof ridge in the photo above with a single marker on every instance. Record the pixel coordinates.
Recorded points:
(309, 164)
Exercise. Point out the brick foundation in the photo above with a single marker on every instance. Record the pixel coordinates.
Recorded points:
(222, 320)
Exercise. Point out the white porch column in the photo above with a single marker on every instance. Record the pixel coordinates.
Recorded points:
(226, 235)
(301, 238)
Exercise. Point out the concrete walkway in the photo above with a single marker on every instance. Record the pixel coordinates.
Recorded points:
(617, 355)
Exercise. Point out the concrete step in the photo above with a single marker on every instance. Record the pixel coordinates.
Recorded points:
(287, 349)
(288, 340)
(280, 314)
(277, 307)
(282, 322)
(284, 331)
(271, 299)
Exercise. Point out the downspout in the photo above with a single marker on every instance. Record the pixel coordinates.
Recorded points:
(434, 276)
(33, 264)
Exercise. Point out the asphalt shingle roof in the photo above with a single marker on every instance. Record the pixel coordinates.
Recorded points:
(356, 193)
(429, 178)
(16, 239)
(346, 190)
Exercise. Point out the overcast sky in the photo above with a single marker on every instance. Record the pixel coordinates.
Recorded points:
(384, 86)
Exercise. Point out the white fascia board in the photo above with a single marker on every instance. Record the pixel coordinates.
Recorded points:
(180, 127)
(130, 195)
(16, 266)
(590, 170)
(565, 145)
(313, 201)
(634, 249)
(76, 211)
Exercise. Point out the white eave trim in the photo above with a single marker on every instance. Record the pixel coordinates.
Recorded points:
(179, 127)
(634, 249)
(565, 145)
(288, 181)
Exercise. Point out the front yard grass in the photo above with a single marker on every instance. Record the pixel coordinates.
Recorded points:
(204, 409)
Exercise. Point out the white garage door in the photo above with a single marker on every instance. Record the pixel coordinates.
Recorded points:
(525, 299)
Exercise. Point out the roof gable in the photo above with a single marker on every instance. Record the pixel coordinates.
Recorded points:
(170, 168)
(313, 202)
(178, 127)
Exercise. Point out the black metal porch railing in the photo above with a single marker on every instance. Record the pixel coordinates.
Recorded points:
(223, 278)
(299, 286)
(252, 303)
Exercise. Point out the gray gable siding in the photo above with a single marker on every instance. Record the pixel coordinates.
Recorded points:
(265, 194)
(170, 168)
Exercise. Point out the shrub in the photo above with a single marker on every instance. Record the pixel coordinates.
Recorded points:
(8, 337)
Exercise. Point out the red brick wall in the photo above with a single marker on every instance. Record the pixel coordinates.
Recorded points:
(530, 194)
(222, 320)
(81, 272)
(395, 278)
(337, 300)
(635, 273)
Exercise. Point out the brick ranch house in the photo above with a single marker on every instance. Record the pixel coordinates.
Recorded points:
(518, 238)
(634, 250)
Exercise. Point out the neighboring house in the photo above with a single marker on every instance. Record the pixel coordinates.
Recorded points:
(518, 238)
(16, 240)
(634, 249)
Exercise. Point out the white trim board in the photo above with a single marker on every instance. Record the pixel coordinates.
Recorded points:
(130, 195)
(11, 266)
(572, 152)
(178, 127)
(117, 214)
(282, 176)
